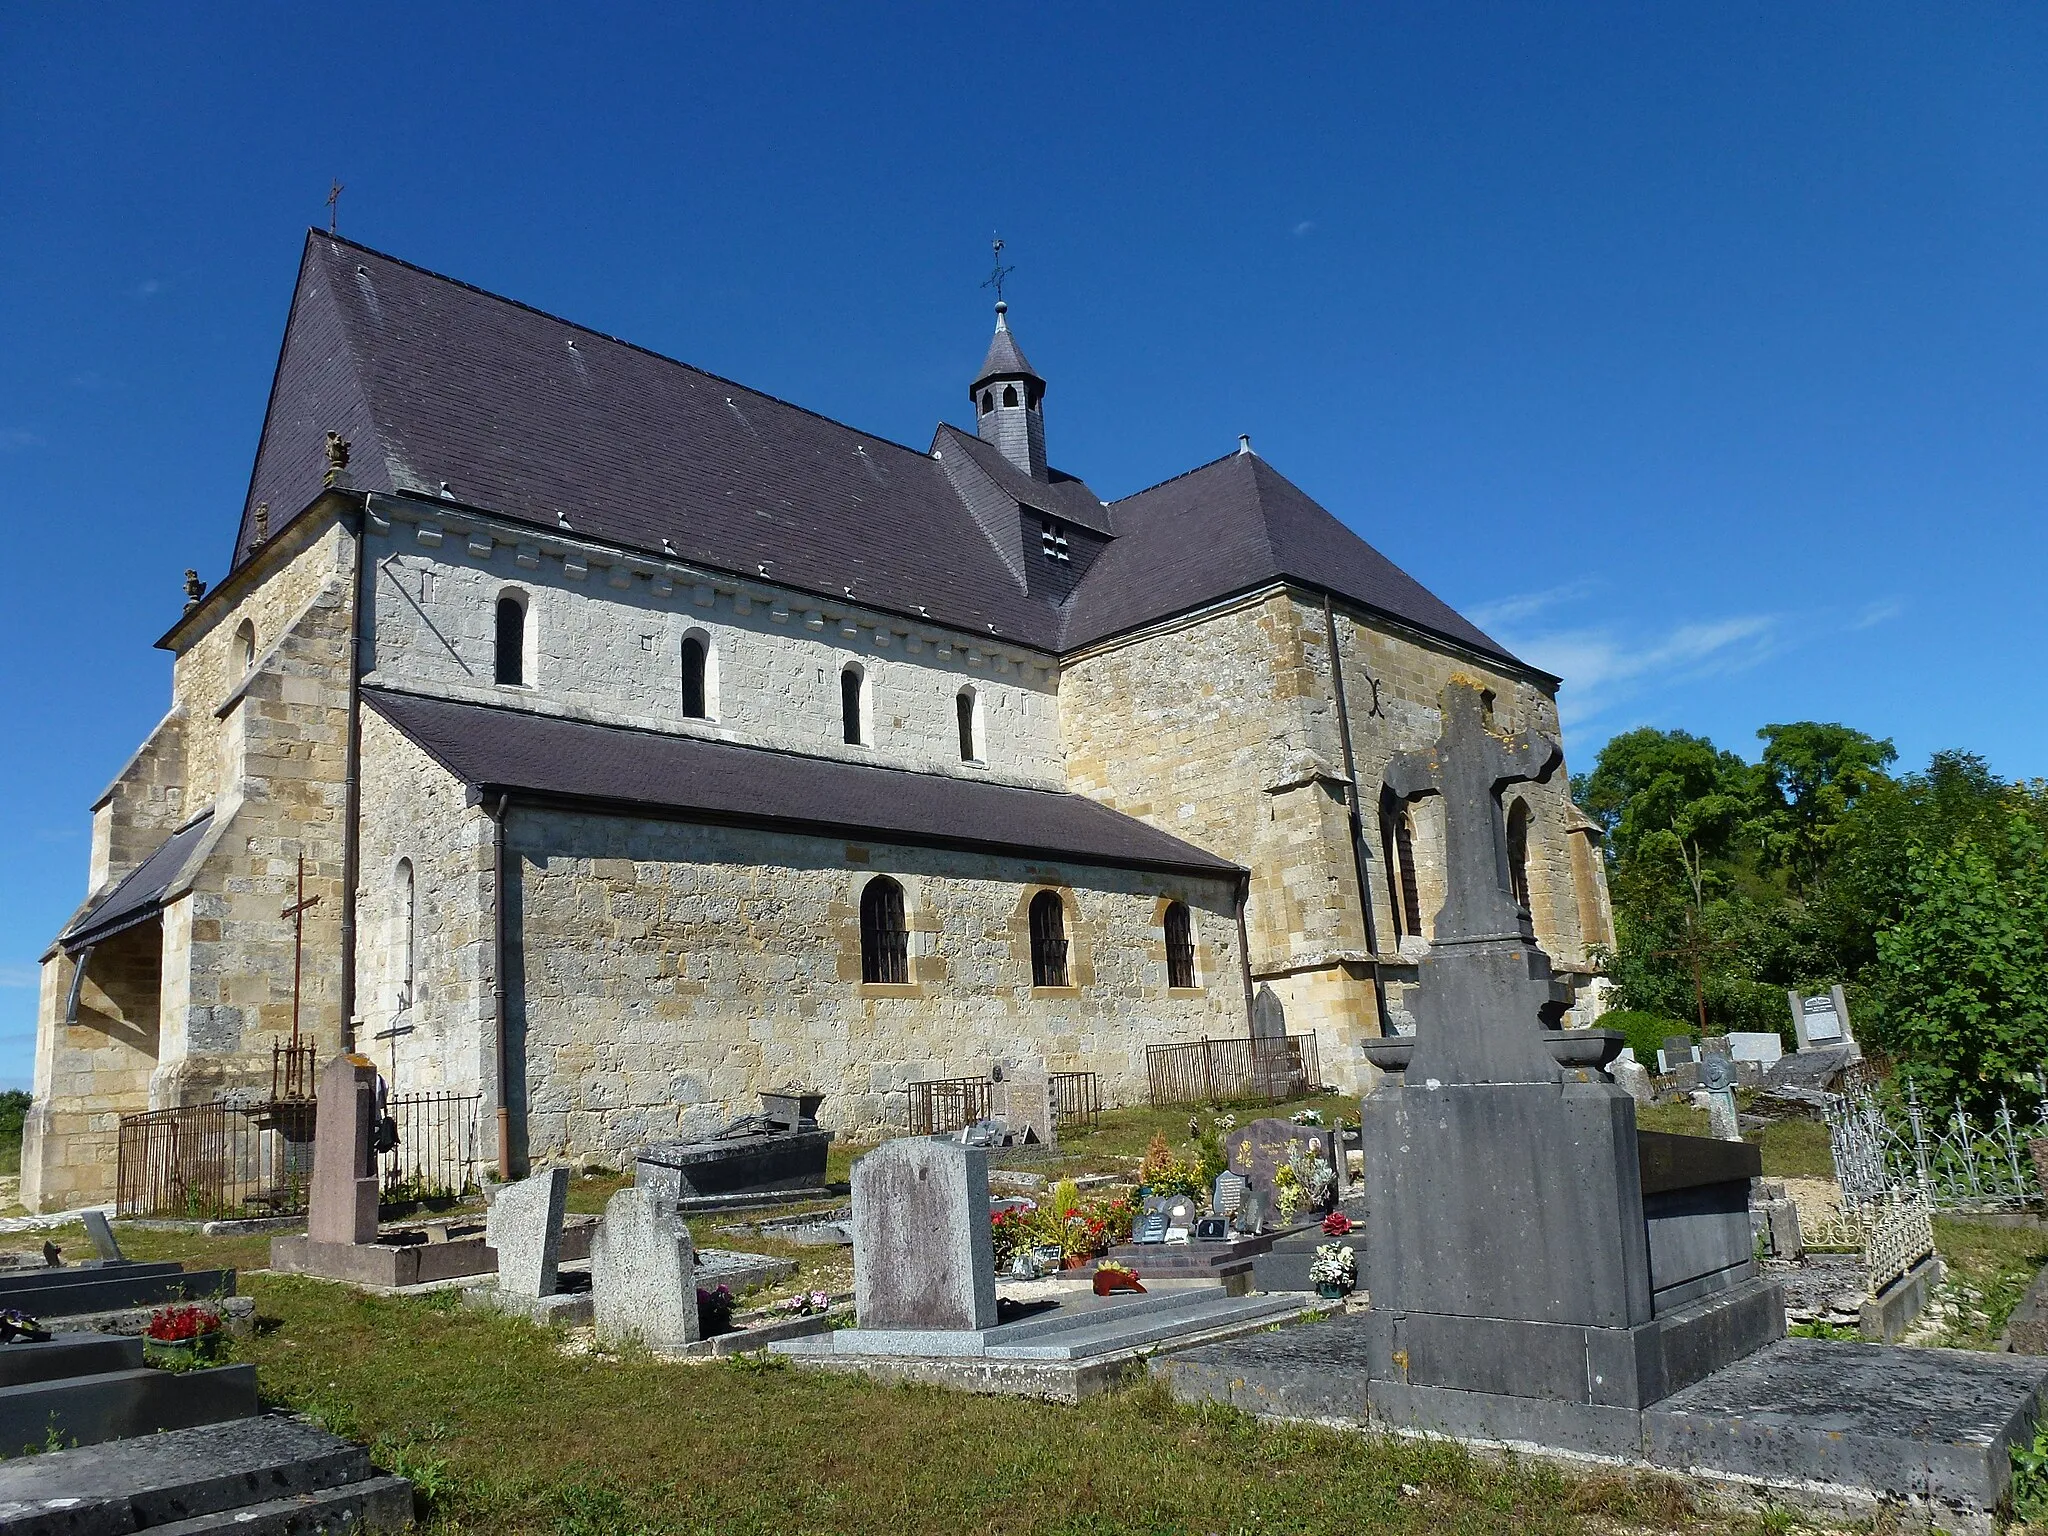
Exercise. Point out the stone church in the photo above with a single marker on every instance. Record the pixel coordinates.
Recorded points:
(644, 741)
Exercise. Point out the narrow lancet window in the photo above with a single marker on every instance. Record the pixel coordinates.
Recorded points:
(852, 684)
(1180, 946)
(970, 742)
(694, 658)
(511, 659)
(1518, 853)
(1397, 846)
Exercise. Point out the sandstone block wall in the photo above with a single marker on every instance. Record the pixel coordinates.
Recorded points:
(662, 974)
(606, 644)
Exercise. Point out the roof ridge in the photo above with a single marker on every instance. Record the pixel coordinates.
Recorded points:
(1169, 480)
(588, 330)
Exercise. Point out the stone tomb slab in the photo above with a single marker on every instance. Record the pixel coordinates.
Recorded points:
(403, 1258)
(1800, 1417)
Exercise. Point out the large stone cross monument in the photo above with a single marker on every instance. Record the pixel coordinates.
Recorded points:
(1514, 1263)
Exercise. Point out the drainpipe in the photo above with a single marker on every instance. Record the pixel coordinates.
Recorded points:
(1356, 818)
(498, 982)
(351, 815)
(1244, 949)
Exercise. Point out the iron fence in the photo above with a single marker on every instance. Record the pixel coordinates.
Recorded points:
(1951, 1163)
(1076, 1098)
(1225, 1071)
(214, 1162)
(436, 1155)
(232, 1158)
(944, 1104)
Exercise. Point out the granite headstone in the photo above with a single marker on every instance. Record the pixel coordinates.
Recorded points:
(1256, 1151)
(102, 1236)
(342, 1205)
(643, 1273)
(923, 1256)
(524, 1225)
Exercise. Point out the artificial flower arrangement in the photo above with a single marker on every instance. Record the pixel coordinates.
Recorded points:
(1337, 1224)
(805, 1304)
(1303, 1179)
(1111, 1277)
(1307, 1117)
(1062, 1222)
(16, 1324)
(1334, 1270)
(182, 1335)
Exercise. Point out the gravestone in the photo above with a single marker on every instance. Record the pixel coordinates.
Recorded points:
(1226, 1194)
(1023, 1102)
(1717, 1077)
(342, 1205)
(643, 1277)
(1821, 1020)
(1761, 1048)
(1676, 1051)
(1256, 1151)
(923, 1256)
(1269, 1015)
(1634, 1078)
(1523, 1267)
(102, 1236)
(524, 1225)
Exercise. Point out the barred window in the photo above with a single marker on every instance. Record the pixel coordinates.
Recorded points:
(1048, 940)
(1180, 946)
(884, 936)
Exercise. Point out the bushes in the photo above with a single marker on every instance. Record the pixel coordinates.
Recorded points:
(1646, 1032)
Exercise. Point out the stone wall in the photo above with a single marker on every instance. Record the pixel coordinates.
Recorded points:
(662, 974)
(605, 643)
(415, 811)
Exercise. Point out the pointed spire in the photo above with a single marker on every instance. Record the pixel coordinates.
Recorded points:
(1007, 395)
(1005, 359)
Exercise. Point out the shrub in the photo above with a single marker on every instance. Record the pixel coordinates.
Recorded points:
(1646, 1032)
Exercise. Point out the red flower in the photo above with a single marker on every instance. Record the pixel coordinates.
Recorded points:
(175, 1324)
(1336, 1224)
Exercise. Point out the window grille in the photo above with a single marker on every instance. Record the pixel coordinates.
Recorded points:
(884, 936)
(1052, 539)
(511, 664)
(1048, 940)
(1180, 946)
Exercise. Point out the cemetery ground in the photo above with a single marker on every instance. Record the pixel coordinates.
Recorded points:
(508, 1427)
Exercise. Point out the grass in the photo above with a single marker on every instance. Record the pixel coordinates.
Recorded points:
(1989, 1269)
(631, 1446)
(1794, 1148)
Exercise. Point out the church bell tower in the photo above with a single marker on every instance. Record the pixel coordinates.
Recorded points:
(1008, 398)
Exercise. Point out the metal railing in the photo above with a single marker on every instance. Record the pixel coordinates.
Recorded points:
(1076, 1097)
(213, 1162)
(232, 1159)
(944, 1104)
(436, 1155)
(1225, 1071)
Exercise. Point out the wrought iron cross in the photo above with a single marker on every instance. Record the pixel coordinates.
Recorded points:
(995, 278)
(333, 198)
(297, 913)
(1471, 763)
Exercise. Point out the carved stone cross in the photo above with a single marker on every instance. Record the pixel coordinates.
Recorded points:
(1471, 763)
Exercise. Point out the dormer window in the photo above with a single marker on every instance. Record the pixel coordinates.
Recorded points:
(1052, 539)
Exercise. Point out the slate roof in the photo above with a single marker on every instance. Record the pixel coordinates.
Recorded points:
(529, 417)
(491, 749)
(1005, 359)
(139, 896)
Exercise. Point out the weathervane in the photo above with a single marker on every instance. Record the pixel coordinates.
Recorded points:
(995, 278)
(333, 197)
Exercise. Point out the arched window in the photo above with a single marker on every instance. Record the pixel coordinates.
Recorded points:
(1397, 846)
(1009, 394)
(696, 660)
(852, 704)
(1048, 940)
(988, 401)
(1518, 853)
(245, 647)
(884, 936)
(1180, 946)
(511, 661)
(405, 915)
(967, 706)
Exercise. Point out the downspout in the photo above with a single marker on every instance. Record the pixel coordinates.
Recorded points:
(1244, 948)
(351, 815)
(498, 982)
(1357, 819)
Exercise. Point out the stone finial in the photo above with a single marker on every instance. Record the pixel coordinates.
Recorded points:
(195, 589)
(337, 457)
(260, 533)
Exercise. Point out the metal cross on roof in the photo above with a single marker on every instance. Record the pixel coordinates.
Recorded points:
(995, 278)
(333, 199)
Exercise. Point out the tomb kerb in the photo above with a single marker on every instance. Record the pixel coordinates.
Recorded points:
(1506, 1246)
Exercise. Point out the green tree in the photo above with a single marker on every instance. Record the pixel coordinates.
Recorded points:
(1810, 777)
(1962, 976)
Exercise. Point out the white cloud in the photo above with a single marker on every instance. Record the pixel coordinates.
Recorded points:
(1881, 612)
(1305, 227)
(20, 975)
(149, 288)
(1523, 606)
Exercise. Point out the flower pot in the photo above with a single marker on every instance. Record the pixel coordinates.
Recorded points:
(182, 1354)
(1332, 1292)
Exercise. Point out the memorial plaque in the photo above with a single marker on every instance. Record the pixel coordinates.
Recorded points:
(1150, 1228)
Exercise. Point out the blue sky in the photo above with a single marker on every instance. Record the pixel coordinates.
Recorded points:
(1701, 353)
